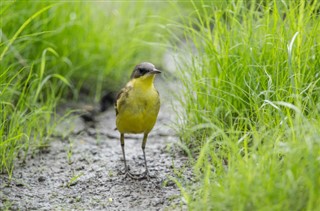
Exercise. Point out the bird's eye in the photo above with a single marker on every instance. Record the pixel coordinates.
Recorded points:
(143, 71)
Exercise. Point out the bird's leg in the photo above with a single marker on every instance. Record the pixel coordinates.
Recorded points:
(123, 153)
(143, 146)
(126, 168)
(146, 173)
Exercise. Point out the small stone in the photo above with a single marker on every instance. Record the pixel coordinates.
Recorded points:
(94, 152)
(19, 184)
(80, 168)
(42, 179)
(170, 183)
(158, 202)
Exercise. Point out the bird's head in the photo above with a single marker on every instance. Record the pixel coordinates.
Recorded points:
(145, 70)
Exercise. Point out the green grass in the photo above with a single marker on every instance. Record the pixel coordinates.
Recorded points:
(251, 102)
(50, 51)
(250, 70)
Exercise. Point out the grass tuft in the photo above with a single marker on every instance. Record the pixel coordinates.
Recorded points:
(252, 104)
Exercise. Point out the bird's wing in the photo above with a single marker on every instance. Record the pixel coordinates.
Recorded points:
(123, 93)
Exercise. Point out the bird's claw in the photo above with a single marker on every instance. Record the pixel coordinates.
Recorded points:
(144, 175)
(131, 175)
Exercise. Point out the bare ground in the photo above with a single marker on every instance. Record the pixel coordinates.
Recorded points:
(81, 170)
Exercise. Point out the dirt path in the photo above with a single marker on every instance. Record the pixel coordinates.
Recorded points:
(81, 171)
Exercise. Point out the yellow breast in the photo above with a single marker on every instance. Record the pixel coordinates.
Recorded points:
(137, 106)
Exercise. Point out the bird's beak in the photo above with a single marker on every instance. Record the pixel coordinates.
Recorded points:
(155, 71)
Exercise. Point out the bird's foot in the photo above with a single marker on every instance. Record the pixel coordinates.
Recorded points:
(127, 173)
(146, 175)
(131, 175)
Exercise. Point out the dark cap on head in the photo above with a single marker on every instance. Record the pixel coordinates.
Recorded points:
(144, 68)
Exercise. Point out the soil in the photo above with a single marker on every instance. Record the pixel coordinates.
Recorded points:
(82, 167)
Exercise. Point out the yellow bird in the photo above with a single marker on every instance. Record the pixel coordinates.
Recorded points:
(137, 108)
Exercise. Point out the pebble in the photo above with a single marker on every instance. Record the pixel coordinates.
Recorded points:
(42, 179)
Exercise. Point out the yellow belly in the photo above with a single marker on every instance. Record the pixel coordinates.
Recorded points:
(138, 111)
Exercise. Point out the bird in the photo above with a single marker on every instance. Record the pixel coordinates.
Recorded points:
(137, 106)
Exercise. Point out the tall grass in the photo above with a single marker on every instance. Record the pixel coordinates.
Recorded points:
(28, 94)
(252, 104)
(50, 51)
